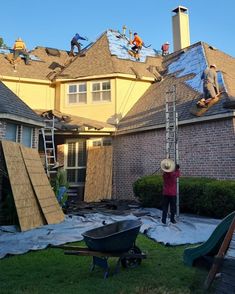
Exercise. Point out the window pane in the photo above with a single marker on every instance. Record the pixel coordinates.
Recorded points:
(81, 175)
(81, 153)
(72, 88)
(106, 96)
(96, 143)
(72, 98)
(82, 87)
(11, 132)
(82, 98)
(106, 86)
(96, 87)
(71, 159)
(107, 142)
(71, 175)
(27, 136)
(96, 96)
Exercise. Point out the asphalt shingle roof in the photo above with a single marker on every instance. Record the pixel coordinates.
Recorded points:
(11, 104)
(183, 70)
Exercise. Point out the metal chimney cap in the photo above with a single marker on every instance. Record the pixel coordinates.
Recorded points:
(180, 9)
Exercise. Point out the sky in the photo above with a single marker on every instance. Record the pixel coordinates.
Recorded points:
(52, 23)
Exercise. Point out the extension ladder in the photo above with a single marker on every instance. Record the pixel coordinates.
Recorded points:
(172, 151)
(49, 145)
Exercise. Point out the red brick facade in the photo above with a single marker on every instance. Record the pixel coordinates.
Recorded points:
(206, 149)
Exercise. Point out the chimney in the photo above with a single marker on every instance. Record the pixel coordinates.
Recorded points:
(180, 23)
(130, 35)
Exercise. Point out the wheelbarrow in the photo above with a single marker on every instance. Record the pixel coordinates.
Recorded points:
(112, 240)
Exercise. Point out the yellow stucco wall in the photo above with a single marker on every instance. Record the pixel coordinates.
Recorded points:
(35, 95)
(128, 93)
(124, 94)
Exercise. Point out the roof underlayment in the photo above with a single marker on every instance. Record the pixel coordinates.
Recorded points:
(119, 46)
(193, 61)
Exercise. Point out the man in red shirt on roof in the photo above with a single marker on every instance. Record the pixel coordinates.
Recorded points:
(170, 173)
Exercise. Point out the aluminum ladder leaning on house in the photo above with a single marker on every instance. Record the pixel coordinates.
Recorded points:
(49, 145)
(172, 151)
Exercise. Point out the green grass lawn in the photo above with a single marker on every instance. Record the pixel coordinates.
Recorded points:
(50, 271)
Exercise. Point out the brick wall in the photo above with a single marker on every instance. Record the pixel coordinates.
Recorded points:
(206, 149)
(2, 129)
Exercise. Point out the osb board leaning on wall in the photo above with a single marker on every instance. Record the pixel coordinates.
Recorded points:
(42, 188)
(34, 198)
(99, 174)
(28, 211)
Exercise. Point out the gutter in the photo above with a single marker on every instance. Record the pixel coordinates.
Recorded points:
(21, 119)
(185, 122)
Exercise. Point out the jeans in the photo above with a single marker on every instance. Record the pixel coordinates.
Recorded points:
(168, 200)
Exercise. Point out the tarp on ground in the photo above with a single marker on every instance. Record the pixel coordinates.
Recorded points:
(188, 230)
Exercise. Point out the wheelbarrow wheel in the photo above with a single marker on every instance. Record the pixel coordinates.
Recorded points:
(132, 262)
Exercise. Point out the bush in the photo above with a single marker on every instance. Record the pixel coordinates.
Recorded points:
(202, 196)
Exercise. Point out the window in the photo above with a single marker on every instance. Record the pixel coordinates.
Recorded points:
(77, 93)
(11, 132)
(27, 136)
(102, 142)
(101, 91)
(76, 162)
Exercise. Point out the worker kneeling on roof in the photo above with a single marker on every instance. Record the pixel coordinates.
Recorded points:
(20, 48)
(137, 42)
(210, 85)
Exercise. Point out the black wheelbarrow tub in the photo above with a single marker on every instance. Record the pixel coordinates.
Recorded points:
(116, 237)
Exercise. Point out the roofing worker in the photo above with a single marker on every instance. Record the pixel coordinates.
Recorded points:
(20, 48)
(165, 48)
(137, 42)
(210, 85)
(74, 42)
(171, 172)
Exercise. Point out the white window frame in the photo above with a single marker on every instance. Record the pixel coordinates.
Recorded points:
(101, 91)
(76, 166)
(76, 93)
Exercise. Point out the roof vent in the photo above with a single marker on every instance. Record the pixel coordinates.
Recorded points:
(53, 52)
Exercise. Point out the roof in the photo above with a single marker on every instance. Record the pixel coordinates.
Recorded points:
(41, 65)
(12, 107)
(72, 123)
(109, 55)
(183, 70)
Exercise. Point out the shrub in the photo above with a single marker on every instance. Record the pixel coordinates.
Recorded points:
(202, 196)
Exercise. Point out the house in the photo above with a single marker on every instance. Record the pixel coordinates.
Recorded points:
(93, 91)
(206, 143)
(104, 96)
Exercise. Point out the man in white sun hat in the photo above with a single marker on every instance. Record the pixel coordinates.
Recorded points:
(170, 173)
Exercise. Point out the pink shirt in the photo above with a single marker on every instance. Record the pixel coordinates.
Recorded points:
(169, 183)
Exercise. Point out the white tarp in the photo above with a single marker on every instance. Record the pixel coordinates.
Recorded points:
(188, 230)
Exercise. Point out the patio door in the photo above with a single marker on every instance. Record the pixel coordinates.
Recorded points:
(75, 162)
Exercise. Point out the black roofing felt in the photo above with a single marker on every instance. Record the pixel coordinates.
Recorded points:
(11, 104)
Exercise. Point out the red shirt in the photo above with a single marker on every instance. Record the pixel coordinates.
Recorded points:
(169, 183)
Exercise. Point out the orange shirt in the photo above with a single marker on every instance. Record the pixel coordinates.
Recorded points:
(137, 41)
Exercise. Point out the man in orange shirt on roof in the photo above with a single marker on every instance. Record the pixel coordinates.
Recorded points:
(138, 43)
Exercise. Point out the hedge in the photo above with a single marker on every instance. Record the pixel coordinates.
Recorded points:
(201, 196)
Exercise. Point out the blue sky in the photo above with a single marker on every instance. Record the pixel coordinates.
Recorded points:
(52, 23)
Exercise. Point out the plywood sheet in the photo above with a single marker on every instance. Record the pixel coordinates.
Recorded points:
(27, 207)
(99, 174)
(41, 186)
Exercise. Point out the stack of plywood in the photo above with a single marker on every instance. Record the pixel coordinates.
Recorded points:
(35, 201)
(99, 174)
